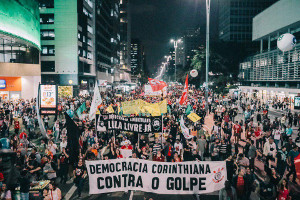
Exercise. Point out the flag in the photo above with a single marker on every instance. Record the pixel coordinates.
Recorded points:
(297, 165)
(73, 134)
(156, 85)
(70, 113)
(81, 109)
(169, 109)
(120, 110)
(95, 103)
(185, 131)
(110, 109)
(188, 110)
(185, 91)
(194, 117)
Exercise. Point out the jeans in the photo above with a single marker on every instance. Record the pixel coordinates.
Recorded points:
(79, 185)
(24, 196)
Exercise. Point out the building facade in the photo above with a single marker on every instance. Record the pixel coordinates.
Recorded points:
(20, 70)
(125, 44)
(137, 59)
(271, 72)
(68, 43)
(235, 18)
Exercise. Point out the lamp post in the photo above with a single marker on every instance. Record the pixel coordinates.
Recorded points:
(175, 42)
(207, 52)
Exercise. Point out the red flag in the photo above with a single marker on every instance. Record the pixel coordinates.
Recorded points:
(297, 165)
(156, 85)
(185, 91)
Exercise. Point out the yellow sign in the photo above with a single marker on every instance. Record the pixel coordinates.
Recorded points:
(140, 106)
(194, 117)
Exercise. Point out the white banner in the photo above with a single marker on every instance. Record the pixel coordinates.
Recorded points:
(97, 100)
(157, 177)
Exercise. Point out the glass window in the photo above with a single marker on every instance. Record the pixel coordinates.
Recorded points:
(47, 18)
(48, 66)
(47, 34)
(46, 3)
(48, 50)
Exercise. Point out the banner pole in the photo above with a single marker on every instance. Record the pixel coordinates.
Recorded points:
(162, 129)
(138, 140)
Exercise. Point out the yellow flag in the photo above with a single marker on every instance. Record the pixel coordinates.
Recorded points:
(163, 106)
(110, 109)
(194, 117)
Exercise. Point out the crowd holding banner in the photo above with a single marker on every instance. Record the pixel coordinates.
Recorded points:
(156, 177)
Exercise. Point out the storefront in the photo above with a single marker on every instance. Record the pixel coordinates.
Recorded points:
(14, 88)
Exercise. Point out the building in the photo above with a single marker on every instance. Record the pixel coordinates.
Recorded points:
(68, 43)
(137, 59)
(193, 38)
(103, 40)
(125, 37)
(235, 18)
(20, 71)
(272, 73)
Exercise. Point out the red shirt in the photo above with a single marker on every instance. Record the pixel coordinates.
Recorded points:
(240, 185)
(129, 147)
(283, 194)
(237, 128)
(159, 159)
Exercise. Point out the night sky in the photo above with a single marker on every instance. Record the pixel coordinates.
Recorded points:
(155, 22)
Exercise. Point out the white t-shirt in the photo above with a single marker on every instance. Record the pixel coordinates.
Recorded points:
(178, 147)
(63, 145)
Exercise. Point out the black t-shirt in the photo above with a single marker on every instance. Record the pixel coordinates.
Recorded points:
(79, 170)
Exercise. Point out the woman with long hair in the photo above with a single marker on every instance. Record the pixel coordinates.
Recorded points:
(54, 191)
(283, 192)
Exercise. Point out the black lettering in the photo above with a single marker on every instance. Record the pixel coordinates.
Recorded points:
(118, 167)
(108, 182)
(170, 183)
(186, 169)
(139, 182)
(124, 167)
(135, 165)
(201, 169)
(112, 168)
(92, 169)
(207, 171)
(98, 169)
(145, 169)
(129, 167)
(99, 179)
(159, 169)
(180, 165)
(125, 179)
(153, 168)
(165, 171)
(155, 183)
(117, 181)
(184, 184)
(178, 183)
(193, 182)
(105, 168)
(195, 169)
(131, 180)
(174, 170)
(202, 183)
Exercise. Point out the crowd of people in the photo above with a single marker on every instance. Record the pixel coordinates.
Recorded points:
(259, 151)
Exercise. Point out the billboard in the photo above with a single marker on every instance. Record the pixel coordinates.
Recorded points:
(20, 18)
(65, 91)
(48, 99)
(297, 102)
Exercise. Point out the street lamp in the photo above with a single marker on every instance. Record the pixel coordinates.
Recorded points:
(175, 42)
(207, 52)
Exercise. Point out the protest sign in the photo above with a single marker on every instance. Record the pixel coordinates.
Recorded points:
(157, 177)
(194, 117)
(130, 124)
